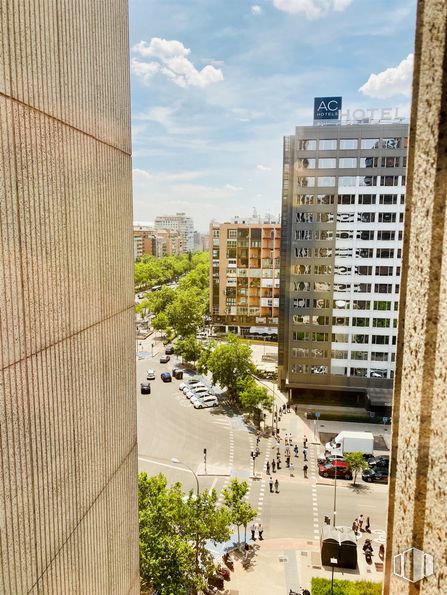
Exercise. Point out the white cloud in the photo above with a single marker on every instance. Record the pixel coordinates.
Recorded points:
(263, 168)
(392, 81)
(312, 9)
(233, 188)
(170, 59)
(256, 9)
(142, 173)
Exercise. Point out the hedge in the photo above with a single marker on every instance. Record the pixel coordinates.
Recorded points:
(335, 416)
(322, 586)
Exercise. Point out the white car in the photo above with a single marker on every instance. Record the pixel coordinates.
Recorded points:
(188, 383)
(150, 375)
(194, 388)
(209, 401)
(200, 393)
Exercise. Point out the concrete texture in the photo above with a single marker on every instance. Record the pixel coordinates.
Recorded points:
(417, 510)
(68, 455)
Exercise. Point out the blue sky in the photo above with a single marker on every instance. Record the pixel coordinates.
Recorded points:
(216, 84)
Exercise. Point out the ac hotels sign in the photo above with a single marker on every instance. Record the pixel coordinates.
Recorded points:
(327, 108)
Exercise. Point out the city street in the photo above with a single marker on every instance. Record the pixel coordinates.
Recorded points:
(169, 427)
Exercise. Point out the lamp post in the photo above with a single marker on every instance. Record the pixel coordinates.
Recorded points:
(177, 462)
(335, 495)
(273, 393)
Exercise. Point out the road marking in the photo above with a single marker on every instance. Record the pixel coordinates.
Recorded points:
(213, 485)
(179, 467)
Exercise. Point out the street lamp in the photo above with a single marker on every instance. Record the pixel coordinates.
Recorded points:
(177, 462)
(334, 562)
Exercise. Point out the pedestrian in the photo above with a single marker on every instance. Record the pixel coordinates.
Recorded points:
(260, 531)
(271, 485)
(292, 469)
(367, 525)
(286, 440)
(355, 526)
(277, 486)
(278, 455)
(268, 468)
(278, 464)
(360, 521)
(273, 466)
(253, 531)
(305, 453)
(288, 461)
(305, 470)
(287, 452)
(296, 450)
(278, 446)
(258, 440)
(296, 409)
(305, 442)
(277, 433)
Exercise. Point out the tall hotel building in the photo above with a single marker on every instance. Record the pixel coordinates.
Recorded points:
(244, 277)
(341, 247)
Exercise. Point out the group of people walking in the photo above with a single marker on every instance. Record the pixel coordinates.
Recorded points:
(360, 525)
(256, 528)
(275, 465)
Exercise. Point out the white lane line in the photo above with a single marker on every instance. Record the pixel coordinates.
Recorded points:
(213, 485)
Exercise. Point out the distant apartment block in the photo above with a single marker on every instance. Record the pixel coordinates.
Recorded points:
(244, 277)
(182, 224)
(155, 242)
(342, 225)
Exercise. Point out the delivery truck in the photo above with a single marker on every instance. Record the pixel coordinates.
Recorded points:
(351, 442)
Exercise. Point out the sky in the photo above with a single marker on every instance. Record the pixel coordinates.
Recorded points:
(217, 84)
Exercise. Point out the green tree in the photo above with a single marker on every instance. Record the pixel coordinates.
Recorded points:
(241, 513)
(229, 363)
(252, 396)
(189, 348)
(322, 586)
(160, 322)
(185, 313)
(356, 462)
(173, 532)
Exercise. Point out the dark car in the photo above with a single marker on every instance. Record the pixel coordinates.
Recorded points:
(169, 350)
(145, 388)
(335, 467)
(164, 359)
(381, 462)
(375, 475)
(166, 377)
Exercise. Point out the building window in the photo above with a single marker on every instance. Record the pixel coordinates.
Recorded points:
(340, 321)
(360, 339)
(307, 145)
(346, 199)
(326, 181)
(387, 217)
(385, 253)
(389, 180)
(364, 253)
(300, 336)
(390, 162)
(299, 352)
(327, 163)
(324, 199)
(363, 355)
(367, 199)
(361, 305)
(385, 306)
(340, 338)
(370, 143)
(344, 234)
(380, 340)
(363, 270)
(386, 236)
(359, 372)
(390, 143)
(320, 337)
(302, 269)
(301, 285)
(322, 286)
(368, 181)
(322, 269)
(303, 252)
(360, 321)
(327, 144)
(301, 303)
(349, 143)
(305, 163)
(303, 234)
(368, 162)
(381, 322)
(384, 271)
(388, 199)
(363, 288)
(347, 162)
(303, 217)
(304, 199)
(378, 356)
(339, 354)
(305, 181)
(318, 370)
(299, 369)
(347, 181)
(232, 233)
(320, 304)
(383, 288)
(324, 234)
(365, 235)
(323, 252)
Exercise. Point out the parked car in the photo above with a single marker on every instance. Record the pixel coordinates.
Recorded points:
(169, 350)
(164, 359)
(329, 458)
(166, 377)
(150, 375)
(194, 387)
(208, 401)
(145, 388)
(375, 475)
(382, 462)
(188, 383)
(190, 393)
(330, 469)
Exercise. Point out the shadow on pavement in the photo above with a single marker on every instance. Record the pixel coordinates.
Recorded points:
(359, 488)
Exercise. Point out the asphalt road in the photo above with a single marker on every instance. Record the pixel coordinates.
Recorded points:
(169, 427)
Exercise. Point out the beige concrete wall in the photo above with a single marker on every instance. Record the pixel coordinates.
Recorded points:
(68, 514)
(417, 501)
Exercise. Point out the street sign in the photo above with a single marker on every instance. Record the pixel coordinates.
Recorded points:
(317, 414)
(385, 419)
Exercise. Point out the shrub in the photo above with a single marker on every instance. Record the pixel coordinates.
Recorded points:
(322, 586)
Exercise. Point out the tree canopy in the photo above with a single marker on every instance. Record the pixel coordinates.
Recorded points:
(174, 529)
(253, 396)
(241, 512)
(356, 462)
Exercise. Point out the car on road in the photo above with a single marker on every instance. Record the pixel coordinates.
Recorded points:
(336, 467)
(166, 377)
(145, 388)
(150, 375)
(375, 475)
(208, 401)
(329, 458)
(169, 350)
(164, 359)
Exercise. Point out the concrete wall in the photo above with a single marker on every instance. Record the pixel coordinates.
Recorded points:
(417, 501)
(68, 511)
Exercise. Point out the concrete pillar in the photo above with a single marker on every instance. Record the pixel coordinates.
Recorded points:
(417, 515)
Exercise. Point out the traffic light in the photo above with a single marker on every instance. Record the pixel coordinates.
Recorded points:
(204, 451)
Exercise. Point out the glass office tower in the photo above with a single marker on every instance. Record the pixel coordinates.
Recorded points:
(342, 225)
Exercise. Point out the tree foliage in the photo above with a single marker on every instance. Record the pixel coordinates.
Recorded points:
(253, 396)
(228, 363)
(322, 586)
(356, 462)
(174, 530)
(189, 348)
(241, 512)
